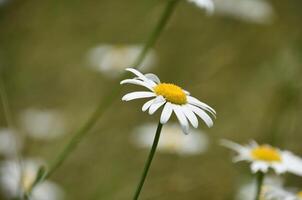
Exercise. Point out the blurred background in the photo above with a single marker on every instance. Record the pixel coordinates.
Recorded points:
(59, 59)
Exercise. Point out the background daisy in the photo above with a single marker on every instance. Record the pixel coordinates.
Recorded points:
(111, 60)
(172, 140)
(15, 177)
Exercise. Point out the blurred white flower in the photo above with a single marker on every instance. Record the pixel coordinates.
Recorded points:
(208, 5)
(172, 140)
(15, 178)
(256, 11)
(265, 157)
(247, 190)
(172, 97)
(113, 59)
(10, 143)
(280, 193)
(42, 124)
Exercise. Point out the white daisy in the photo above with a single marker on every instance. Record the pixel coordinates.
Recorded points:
(13, 178)
(255, 11)
(42, 124)
(10, 143)
(265, 157)
(172, 98)
(208, 5)
(112, 60)
(280, 193)
(172, 141)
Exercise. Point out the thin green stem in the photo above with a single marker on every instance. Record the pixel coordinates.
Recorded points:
(170, 7)
(111, 96)
(149, 161)
(259, 182)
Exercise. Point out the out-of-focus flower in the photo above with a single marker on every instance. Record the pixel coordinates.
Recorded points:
(113, 59)
(208, 5)
(42, 124)
(172, 140)
(256, 11)
(10, 143)
(264, 157)
(281, 193)
(172, 98)
(247, 191)
(17, 179)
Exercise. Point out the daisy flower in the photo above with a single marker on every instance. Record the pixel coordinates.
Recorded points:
(42, 124)
(265, 157)
(172, 141)
(208, 5)
(172, 98)
(13, 178)
(111, 60)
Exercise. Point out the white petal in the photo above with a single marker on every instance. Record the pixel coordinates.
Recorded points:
(186, 92)
(137, 82)
(159, 101)
(190, 115)
(279, 168)
(202, 114)
(232, 145)
(181, 118)
(166, 113)
(137, 95)
(259, 166)
(196, 102)
(292, 162)
(206, 4)
(141, 76)
(153, 78)
(147, 104)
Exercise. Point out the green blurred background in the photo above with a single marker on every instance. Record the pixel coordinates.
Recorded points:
(249, 73)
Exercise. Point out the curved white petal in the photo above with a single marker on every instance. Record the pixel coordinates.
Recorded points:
(137, 95)
(147, 104)
(137, 82)
(196, 102)
(152, 77)
(166, 113)
(202, 114)
(190, 115)
(158, 102)
(181, 118)
(141, 76)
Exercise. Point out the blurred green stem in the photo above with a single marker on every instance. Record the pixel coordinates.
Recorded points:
(111, 96)
(259, 182)
(149, 161)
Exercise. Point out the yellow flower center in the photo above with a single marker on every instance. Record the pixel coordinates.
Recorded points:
(266, 153)
(171, 93)
(300, 194)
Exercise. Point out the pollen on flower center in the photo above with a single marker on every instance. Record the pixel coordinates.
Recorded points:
(171, 93)
(300, 194)
(266, 153)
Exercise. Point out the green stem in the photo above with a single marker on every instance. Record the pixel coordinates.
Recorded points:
(149, 160)
(114, 92)
(259, 182)
(170, 7)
